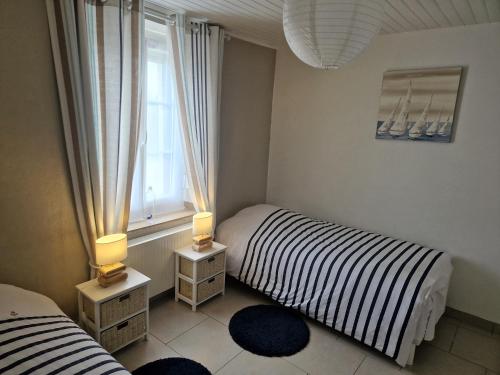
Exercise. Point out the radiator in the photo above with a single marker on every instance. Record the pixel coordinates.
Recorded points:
(153, 255)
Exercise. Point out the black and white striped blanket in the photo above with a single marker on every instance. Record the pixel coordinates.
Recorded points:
(51, 345)
(374, 288)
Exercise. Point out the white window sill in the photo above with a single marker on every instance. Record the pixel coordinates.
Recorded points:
(157, 224)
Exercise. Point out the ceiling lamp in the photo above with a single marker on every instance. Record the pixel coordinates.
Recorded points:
(329, 33)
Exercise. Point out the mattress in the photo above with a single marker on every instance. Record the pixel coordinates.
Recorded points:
(37, 337)
(386, 293)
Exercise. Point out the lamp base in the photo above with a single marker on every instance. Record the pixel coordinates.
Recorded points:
(111, 269)
(111, 274)
(107, 281)
(202, 242)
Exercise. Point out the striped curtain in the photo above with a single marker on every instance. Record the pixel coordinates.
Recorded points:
(97, 49)
(198, 52)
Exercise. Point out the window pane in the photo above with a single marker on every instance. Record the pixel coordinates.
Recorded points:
(160, 173)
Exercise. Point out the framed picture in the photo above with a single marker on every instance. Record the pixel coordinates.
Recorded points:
(418, 104)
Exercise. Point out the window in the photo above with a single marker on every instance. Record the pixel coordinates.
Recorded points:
(159, 184)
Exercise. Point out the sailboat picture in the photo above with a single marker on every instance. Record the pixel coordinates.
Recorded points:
(418, 104)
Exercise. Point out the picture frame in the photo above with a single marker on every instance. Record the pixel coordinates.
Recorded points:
(419, 104)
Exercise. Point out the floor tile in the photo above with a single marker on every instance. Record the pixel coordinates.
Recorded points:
(142, 352)
(445, 334)
(326, 353)
(432, 361)
(378, 365)
(478, 348)
(169, 319)
(203, 336)
(208, 343)
(222, 308)
(247, 363)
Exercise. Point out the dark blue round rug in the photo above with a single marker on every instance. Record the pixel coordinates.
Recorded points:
(172, 366)
(267, 330)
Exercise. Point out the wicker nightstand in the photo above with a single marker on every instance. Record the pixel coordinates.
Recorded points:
(117, 315)
(199, 276)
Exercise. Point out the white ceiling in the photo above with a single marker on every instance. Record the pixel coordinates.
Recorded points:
(260, 21)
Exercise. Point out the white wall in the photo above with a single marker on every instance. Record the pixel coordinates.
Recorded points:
(247, 95)
(326, 162)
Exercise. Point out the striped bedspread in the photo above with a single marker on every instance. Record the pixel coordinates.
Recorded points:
(365, 285)
(51, 345)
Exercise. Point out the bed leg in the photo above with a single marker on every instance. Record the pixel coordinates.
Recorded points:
(411, 357)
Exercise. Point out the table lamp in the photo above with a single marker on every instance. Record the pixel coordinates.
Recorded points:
(202, 231)
(110, 251)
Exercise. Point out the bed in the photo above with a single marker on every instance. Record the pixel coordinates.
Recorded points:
(36, 337)
(386, 293)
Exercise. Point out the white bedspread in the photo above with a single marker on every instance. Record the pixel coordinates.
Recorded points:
(386, 293)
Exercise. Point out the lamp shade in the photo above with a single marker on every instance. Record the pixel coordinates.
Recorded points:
(202, 223)
(330, 33)
(111, 249)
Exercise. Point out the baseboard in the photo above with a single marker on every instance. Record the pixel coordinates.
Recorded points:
(472, 320)
(167, 294)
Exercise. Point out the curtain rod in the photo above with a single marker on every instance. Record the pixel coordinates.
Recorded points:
(158, 13)
(168, 13)
(171, 18)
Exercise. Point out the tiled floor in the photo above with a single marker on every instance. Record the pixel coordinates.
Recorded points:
(176, 331)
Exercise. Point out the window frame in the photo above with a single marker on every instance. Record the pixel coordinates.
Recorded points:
(156, 13)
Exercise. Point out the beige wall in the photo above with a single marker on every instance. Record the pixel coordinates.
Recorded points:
(326, 162)
(40, 244)
(247, 91)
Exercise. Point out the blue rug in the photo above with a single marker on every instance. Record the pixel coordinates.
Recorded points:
(267, 330)
(172, 366)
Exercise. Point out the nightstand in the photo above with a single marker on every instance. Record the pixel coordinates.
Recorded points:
(117, 315)
(199, 276)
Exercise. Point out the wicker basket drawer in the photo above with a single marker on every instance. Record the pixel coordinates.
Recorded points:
(205, 289)
(117, 308)
(206, 267)
(121, 334)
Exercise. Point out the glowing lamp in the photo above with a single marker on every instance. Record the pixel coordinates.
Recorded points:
(202, 224)
(111, 249)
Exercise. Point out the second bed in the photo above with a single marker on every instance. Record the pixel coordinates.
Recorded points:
(383, 292)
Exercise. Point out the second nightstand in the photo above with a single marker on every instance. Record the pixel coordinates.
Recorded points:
(199, 276)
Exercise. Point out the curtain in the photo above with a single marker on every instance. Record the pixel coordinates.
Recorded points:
(197, 50)
(97, 50)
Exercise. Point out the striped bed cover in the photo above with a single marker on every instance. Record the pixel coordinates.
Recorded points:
(365, 285)
(51, 344)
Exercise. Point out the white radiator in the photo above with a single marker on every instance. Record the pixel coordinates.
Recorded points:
(153, 255)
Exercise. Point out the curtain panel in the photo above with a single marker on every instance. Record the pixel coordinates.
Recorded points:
(97, 49)
(197, 50)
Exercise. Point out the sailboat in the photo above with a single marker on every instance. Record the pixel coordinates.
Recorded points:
(445, 128)
(399, 127)
(434, 127)
(418, 129)
(384, 128)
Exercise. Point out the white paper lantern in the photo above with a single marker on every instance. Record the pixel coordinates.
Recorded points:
(330, 33)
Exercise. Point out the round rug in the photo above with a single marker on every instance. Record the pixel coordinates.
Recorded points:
(172, 366)
(267, 330)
